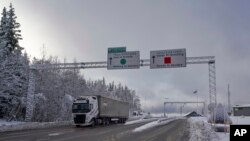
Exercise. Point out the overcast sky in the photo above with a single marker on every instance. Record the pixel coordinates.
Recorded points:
(84, 29)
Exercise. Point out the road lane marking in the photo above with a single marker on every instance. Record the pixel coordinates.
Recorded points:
(55, 134)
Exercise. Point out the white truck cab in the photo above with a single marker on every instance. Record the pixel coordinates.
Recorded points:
(85, 110)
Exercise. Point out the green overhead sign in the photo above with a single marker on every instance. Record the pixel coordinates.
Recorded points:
(116, 49)
(123, 60)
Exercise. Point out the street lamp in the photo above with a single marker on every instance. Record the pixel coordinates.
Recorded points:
(165, 108)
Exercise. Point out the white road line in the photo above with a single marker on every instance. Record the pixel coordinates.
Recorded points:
(55, 134)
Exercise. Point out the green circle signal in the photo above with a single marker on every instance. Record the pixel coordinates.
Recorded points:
(123, 61)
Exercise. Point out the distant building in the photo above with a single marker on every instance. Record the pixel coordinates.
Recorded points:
(241, 110)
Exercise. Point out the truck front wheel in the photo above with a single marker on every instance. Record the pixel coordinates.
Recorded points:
(93, 122)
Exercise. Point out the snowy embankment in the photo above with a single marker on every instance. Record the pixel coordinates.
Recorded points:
(14, 126)
(6, 123)
(158, 122)
(201, 130)
(236, 120)
(142, 120)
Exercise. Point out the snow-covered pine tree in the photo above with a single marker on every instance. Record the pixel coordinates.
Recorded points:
(58, 85)
(2, 58)
(12, 32)
(13, 70)
(40, 108)
(3, 36)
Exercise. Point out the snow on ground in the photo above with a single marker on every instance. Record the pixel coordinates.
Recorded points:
(131, 118)
(140, 120)
(15, 125)
(158, 122)
(6, 123)
(236, 120)
(201, 130)
(134, 118)
(168, 114)
(222, 136)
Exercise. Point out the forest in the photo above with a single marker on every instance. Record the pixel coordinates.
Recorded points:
(55, 89)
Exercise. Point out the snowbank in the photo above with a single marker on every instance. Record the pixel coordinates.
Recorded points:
(222, 136)
(6, 123)
(154, 124)
(134, 118)
(236, 120)
(201, 130)
(141, 120)
(168, 115)
(14, 126)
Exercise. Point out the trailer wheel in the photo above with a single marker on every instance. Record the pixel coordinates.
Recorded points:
(108, 121)
(125, 119)
(119, 120)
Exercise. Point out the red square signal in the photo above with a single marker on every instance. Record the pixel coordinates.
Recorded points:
(167, 60)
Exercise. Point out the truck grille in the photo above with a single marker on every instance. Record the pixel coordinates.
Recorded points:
(80, 119)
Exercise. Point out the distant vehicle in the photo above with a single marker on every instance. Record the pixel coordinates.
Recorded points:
(94, 110)
(135, 113)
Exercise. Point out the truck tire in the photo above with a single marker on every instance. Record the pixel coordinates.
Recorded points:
(108, 121)
(121, 120)
(105, 121)
(77, 126)
(93, 123)
(125, 119)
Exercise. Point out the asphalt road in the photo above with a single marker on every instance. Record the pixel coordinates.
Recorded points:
(173, 131)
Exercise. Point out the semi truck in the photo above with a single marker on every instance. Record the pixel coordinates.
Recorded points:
(96, 109)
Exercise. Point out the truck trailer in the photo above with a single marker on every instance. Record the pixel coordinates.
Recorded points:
(97, 109)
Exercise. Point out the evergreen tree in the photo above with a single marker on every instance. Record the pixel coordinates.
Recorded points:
(3, 35)
(14, 68)
(12, 32)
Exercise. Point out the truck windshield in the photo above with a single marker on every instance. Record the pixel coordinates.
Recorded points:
(80, 108)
